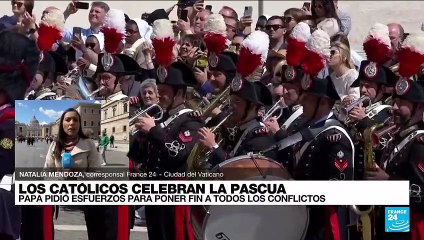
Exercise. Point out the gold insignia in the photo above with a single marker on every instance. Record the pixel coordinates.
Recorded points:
(6, 143)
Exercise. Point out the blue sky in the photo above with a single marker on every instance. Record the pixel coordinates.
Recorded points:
(46, 111)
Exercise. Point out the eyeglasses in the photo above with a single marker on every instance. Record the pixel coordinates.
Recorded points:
(130, 31)
(288, 19)
(273, 27)
(90, 45)
(333, 52)
(18, 4)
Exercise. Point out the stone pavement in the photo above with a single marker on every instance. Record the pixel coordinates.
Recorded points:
(70, 225)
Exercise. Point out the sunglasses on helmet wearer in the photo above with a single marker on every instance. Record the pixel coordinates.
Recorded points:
(273, 27)
(18, 4)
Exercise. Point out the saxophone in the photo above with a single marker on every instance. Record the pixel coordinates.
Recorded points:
(366, 212)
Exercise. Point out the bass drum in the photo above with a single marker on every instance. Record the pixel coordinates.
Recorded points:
(250, 222)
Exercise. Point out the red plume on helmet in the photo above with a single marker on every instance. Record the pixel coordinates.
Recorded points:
(215, 36)
(163, 42)
(296, 44)
(411, 55)
(318, 49)
(253, 53)
(114, 30)
(48, 35)
(50, 30)
(377, 44)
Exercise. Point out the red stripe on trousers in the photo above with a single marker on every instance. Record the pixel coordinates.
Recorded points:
(123, 223)
(332, 231)
(417, 225)
(183, 230)
(48, 222)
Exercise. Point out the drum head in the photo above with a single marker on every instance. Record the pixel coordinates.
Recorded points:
(256, 222)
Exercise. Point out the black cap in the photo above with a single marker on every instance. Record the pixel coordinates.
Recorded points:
(321, 87)
(177, 74)
(391, 77)
(156, 15)
(254, 92)
(225, 64)
(291, 74)
(119, 63)
(409, 90)
(370, 72)
(234, 56)
(60, 65)
(19, 59)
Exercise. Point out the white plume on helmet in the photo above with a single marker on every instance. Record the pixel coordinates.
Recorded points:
(162, 28)
(258, 43)
(380, 32)
(115, 18)
(301, 32)
(215, 24)
(319, 42)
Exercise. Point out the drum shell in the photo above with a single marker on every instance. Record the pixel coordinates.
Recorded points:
(244, 168)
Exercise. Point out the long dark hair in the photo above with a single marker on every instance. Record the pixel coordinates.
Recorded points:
(330, 11)
(60, 140)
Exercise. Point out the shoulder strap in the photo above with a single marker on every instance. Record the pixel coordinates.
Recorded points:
(374, 111)
(402, 144)
(292, 117)
(175, 116)
(249, 129)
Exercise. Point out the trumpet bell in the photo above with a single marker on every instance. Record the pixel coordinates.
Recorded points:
(153, 110)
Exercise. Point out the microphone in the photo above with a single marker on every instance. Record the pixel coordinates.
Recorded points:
(66, 160)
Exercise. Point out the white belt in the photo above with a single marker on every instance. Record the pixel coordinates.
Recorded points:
(7, 181)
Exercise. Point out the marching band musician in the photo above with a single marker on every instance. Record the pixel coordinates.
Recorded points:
(169, 142)
(121, 68)
(291, 77)
(246, 98)
(323, 134)
(372, 78)
(404, 154)
(19, 59)
(290, 82)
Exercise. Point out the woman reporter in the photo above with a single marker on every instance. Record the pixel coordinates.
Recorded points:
(71, 139)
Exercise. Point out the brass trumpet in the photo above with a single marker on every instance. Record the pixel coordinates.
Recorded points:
(276, 107)
(139, 113)
(199, 155)
(343, 112)
(383, 135)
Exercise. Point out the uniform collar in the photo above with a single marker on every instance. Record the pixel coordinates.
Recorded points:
(249, 123)
(407, 131)
(322, 121)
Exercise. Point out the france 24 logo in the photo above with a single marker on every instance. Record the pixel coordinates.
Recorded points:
(397, 219)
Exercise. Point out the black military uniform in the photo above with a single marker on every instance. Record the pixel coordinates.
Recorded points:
(169, 144)
(379, 113)
(403, 160)
(19, 57)
(227, 65)
(325, 153)
(243, 139)
(291, 121)
(116, 220)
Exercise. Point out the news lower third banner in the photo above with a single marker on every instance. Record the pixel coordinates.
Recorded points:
(212, 193)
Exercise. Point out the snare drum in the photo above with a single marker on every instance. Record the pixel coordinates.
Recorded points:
(250, 222)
